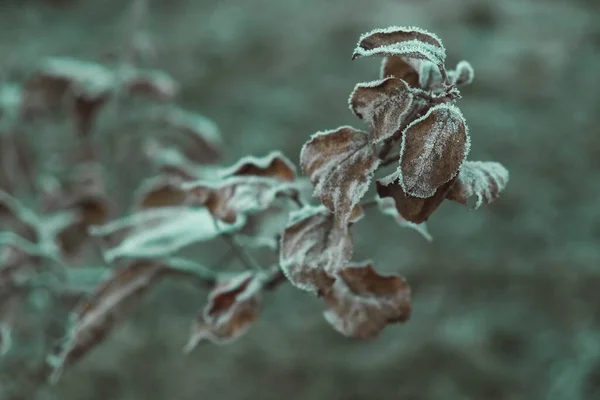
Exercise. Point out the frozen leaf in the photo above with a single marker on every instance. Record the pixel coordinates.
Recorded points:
(408, 42)
(362, 302)
(97, 316)
(158, 232)
(273, 165)
(382, 104)
(463, 74)
(387, 206)
(237, 195)
(233, 305)
(430, 77)
(483, 179)
(433, 149)
(313, 246)
(414, 209)
(150, 83)
(159, 191)
(340, 164)
(398, 67)
(172, 163)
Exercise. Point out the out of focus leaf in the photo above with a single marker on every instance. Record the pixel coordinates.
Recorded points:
(362, 302)
(382, 104)
(313, 246)
(433, 149)
(483, 179)
(233, 305)
(273, 165)
(387, 206)
(463, 74)
(159, 191)
(340, 164)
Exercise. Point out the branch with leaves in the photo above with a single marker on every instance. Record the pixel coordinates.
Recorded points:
(412, 124)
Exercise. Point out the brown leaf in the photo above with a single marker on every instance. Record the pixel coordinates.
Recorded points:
(97, 316)
(313, 246)
(273, 165)
(340, 164)
(237, 196)
(409, 42)
(383, 104)
(387, 206)
(396, 66)
(233, 305)
(362, 302)
(433, 149)
(150, 83)
(171, 162)
(414, 209)
(483, 179)
(159, 191)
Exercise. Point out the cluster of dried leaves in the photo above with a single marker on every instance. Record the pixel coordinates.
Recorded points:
(259, 202)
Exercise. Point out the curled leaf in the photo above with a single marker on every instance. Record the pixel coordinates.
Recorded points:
(414, 209)
(340, 164)
(382, 104)
(398, 67)
(362, 302)
(150, 83)
(158, 232)
(409, 42)
(97, 316)
(313, 246)
(483, 179)
(387, 206)
(433, 149)
(233, 305)
(159, 191)
(463, 74)
(273, 165)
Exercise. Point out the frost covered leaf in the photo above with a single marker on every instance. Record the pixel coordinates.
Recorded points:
(273, 165)
(483, 179)
(409, 42)
(433, 149)
(430, 77)
(463, 74)
(199, 137)
(159, 191)
(313, 246)
(398, 67)
(362, 302)
(158, 232)
(171, 162)
(382, 104)
(97, 316)
(237, 196)
(340, 164)
(233, 305)
(387, 206)
(414, 209)
(150, 83)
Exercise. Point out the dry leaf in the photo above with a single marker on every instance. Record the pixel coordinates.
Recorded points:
(387, 206)
(463, 74)
(383, 104)
(313, 246)
(398, 67)
(408, 42)
(273, 165)
(483, 179)
(433, 149)
(159, 191)
(150, 83)
(96, 318)
(159, 232)
(340, 164)
(414, 209)
(233, 305)
(171, 162)
(362, 302)
(237, 196)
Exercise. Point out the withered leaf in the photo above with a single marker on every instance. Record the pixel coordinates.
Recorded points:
(433, 149)
(98, 315)
(398, 67)
(150, 83)
(233, 305)
(273, 165)
(362, 302)
(414, 209)
(387, 206)
(463, 74)
(159, 191)
(382, 104)
(409, 42)
(340, 164)
(313, 246)
(171, 162)
(237, 196)
(483, 179)
(158, 232)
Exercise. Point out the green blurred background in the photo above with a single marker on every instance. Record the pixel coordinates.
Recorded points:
(506, 298)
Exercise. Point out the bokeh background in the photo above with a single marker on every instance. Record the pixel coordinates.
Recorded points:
(506, 298)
